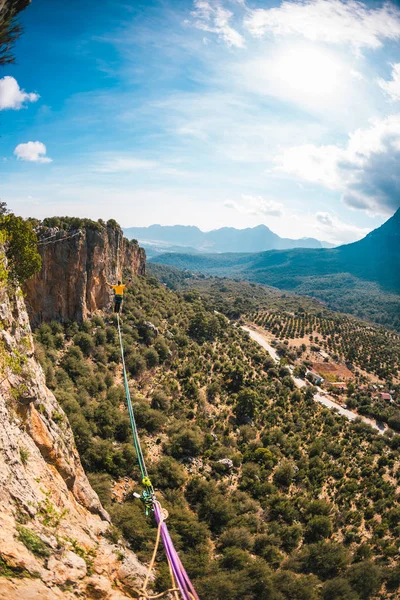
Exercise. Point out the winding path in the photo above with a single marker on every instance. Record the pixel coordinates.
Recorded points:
(321, 396)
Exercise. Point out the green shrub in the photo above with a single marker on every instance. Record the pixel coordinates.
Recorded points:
(186, 443)
(151, 357)
(23, 257)
(136, 364)
(365, 578)
(160, 400)
(148, 418)
(168, 473)
(338, 589)
(318, 528)
(85, 342)
(235, 559)
(240, 537)
(32, 542)
(285, 473)
(24, 455)
(246, 405)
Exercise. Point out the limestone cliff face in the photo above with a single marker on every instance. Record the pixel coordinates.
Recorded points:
(52, 525)
(76, 265)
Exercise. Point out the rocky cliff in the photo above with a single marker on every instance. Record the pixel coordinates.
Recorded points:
(76, 265)
(52, 525)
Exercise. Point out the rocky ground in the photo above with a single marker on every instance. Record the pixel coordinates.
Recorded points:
(53, 529)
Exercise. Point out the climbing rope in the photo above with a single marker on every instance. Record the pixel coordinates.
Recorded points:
(179, 578)
(63, 239)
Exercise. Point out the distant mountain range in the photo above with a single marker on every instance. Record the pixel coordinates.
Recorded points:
(359, 277)
(191, 240)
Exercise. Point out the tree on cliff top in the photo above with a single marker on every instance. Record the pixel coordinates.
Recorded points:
(10, 29)
(20, 243)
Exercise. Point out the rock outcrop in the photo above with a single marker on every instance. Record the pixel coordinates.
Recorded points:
(76, 265)
(52, 524)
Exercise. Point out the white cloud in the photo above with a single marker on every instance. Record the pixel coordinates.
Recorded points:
(256, 206)
(121, 164)
(392, 88)
(367, 170)
(331, 21)
(32, 152)
(11, 95)
(336, 230)
(215, 19)
(317, 164)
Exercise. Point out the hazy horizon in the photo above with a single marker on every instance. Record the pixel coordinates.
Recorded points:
(206, 230)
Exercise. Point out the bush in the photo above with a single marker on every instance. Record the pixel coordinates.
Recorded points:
(365, 578)
(135, 527)
(151, 357)
(246, 404)
(285, 473)
(216, 510)
(187, 443)
(23, 257)
(102, 485)
(239, 537)
(296, 587)
(160, 400)
(85, 342)
(161, 347)
(136, 364)
(213, 390)
(235, 559)
(74, 364)
(168, 473)
(318, 528)
(338, 589)
(33, 542)
(325, 559)
(148, 418)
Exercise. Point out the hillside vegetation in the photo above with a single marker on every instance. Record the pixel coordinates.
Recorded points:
(270, 496)
(302, 327)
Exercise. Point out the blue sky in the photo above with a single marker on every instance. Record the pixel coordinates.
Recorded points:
(206, 112)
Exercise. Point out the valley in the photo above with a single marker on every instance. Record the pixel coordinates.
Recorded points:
(242, 455)
(362, 278)
(320, 396)
(275, 485)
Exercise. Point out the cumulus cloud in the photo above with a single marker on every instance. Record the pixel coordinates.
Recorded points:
(120, 164)
(392, 87)
(11, 95)
(32, 152)
(332, 21)
(367, 170)
(256, 206)
(214, 18)
(336, 230)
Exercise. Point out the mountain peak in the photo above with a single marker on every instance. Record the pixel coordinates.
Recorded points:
(224, 239)
(390, 228)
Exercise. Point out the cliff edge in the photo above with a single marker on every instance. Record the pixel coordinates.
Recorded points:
(52, 525)
(76, 263)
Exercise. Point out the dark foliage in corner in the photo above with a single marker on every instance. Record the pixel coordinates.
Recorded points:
(10, 29)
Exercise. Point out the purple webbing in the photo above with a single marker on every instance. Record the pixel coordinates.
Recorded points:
(182, 579)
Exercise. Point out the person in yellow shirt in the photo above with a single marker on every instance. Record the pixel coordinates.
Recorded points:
(118, 294)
